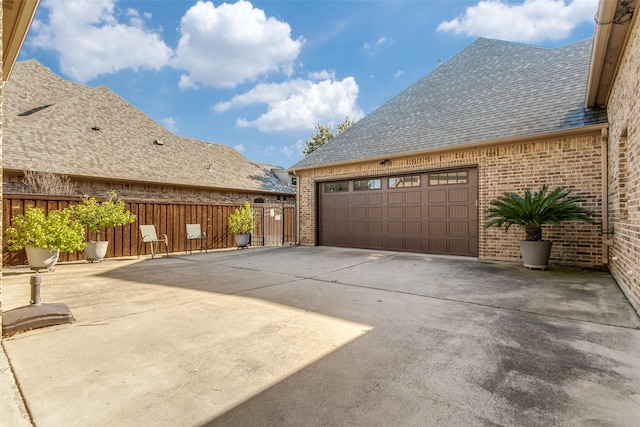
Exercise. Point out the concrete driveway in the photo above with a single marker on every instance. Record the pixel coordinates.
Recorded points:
(308, 336)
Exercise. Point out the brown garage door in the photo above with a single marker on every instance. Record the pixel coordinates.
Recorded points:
(432, 212)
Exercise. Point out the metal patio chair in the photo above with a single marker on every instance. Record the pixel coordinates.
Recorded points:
(195, 233)
(149, 236)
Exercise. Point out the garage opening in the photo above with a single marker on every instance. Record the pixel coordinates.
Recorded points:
(433, 212)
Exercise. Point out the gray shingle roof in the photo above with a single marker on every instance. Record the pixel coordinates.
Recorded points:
(60, 139)
(491, 90)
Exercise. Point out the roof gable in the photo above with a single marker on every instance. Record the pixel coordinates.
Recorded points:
(491, 90)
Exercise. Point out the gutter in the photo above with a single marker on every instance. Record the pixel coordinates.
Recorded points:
(606, 11)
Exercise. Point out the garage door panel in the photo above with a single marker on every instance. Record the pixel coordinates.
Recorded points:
(413, 227)
(374, 213)
(375, 199)
(374, 226)
(395, 198)
(436, 212)
(438, 228)
(437, 196)
(341, 226)
(459, 195)
(435, 246)
(397, 243)
(360, 213)
(360, 240)
(413, 244)
(359, 226)
(395, 212)
(412, 212)
(459, 247)
(412, 197)
(360, 199)
(375, 242)
(459, 212)
(396, 227)
(459, 228)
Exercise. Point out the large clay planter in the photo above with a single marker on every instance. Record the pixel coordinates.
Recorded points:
(242, 240)
(96, 251)
(535, 254)
(41, 258)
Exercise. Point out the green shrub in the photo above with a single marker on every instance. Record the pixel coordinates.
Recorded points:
(96, 216)
(57, 230)
(241, 220)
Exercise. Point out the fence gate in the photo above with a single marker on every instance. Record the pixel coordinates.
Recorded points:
(274, 224)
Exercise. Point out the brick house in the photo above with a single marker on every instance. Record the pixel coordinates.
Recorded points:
(418, 173)
(104, 143)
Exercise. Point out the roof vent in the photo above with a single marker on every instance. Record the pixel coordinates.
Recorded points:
(96, 128)
(158, 142)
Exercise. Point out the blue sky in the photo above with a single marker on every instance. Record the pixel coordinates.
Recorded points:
(258, 76)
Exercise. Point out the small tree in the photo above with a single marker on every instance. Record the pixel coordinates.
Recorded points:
(96, 215)
(324, 134)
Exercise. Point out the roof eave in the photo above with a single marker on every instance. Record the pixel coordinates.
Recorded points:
(17, 17)
(609, 41)
(473, 145)
(16, 172)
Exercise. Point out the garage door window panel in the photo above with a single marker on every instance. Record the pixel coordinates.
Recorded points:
(367, 184)
(336, 187)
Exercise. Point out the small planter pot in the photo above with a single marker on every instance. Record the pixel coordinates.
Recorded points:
(42, 258)
(242, 240)
(96, 251)
(535, 254)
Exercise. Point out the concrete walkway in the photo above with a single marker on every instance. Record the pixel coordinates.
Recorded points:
(313, 336)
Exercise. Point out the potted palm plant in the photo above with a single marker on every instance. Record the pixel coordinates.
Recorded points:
(241, 224)
(96, 216)
(44, 235)
(531, 211)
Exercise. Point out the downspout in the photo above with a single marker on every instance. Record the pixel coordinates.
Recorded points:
(297, 208)
(607, 240)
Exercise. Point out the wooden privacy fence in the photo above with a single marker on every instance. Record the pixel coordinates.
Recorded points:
(275, 224)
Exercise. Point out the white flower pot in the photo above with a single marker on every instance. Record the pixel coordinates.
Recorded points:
(242, 240)
(96, 251)
(40, 258)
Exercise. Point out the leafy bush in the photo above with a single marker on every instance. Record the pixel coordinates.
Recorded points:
(96, 216)
(241, 220)
(57, 230)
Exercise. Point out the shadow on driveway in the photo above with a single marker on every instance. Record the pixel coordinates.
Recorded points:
(328, 336)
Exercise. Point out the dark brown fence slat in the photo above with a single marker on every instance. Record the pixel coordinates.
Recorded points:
(169, 218)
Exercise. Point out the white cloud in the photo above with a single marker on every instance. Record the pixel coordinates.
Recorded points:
(233, 43)
(322, 75)
(398, 74)
(239, 148)
(372, 48)
(530, 21)
(170, 124)
(287, 151)
(78, 31)
(298, 105)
